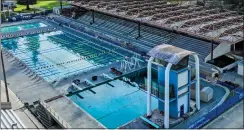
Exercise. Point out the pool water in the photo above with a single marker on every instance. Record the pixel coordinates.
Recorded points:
(57, 54)
(114, 106)
(22, 27)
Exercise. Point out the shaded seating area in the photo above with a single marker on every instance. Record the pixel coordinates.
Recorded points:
(73, 12)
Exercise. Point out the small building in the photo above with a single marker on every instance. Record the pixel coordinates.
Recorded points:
(240, 68)
(9, 4)
(174, 78)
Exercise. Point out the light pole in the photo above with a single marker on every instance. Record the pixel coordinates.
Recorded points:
(3, 68)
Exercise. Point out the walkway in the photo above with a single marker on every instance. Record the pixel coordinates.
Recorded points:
(27, 87)
(18, 107)
(231, 119)
(73, 115)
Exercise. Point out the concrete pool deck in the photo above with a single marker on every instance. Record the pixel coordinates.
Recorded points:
(20, 110)
(73, 115)
(24, 85)
(157, 118)
(231, 119)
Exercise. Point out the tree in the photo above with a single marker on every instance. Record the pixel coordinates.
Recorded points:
(1, 4)
(61, 4)
(27, 5)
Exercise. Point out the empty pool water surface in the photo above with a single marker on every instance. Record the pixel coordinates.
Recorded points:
(20, 27)
(114, 104)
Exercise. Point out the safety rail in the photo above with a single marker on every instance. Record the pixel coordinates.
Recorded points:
(56, 116)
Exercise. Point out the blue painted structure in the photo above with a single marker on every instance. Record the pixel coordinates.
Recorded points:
(179, 90)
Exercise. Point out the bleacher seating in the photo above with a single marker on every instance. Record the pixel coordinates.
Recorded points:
(73, 12)
(149, 35)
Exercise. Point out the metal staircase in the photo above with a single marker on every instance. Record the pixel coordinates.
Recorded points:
(44, 116)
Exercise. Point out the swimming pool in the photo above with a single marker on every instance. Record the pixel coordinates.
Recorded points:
(55, 55)
(114, 104)
(22, 27)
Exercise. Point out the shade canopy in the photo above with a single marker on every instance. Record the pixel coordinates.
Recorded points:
(169, 53)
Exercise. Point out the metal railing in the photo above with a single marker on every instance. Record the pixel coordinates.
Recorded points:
(56, 116)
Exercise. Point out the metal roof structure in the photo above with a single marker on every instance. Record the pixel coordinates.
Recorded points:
(169, 53)
(9, 120)
(212, 24)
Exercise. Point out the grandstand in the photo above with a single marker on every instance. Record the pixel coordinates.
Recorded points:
(148, 23)
(194, 20)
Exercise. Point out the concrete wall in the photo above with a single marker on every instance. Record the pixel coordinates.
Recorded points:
(220, 50)
(240, 69)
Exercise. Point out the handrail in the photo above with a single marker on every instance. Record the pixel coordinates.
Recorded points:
(55, 115)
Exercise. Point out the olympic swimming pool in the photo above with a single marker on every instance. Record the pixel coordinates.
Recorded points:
(20, 27)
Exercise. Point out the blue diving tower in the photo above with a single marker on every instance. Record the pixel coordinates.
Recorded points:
(173, 79)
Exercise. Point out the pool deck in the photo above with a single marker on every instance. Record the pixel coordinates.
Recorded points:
(27, 87)
(74, 115)
(20, 22)
(156, 118)
(231, 119)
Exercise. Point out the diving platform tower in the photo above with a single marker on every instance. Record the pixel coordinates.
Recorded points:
(174, 79)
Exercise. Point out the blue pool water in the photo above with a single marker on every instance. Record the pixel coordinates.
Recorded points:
(22, 27)
(57, 54)
(114, 106)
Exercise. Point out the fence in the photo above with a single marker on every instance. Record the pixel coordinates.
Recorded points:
(26, 16)
(59, 119)
(207, 115)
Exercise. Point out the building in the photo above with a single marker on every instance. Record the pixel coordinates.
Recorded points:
(174, 80)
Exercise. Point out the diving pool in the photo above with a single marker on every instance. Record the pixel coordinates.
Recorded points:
(20, 27)
(58, 54)
(114, 104)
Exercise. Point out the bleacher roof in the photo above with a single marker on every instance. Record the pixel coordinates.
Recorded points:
(221, 26)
